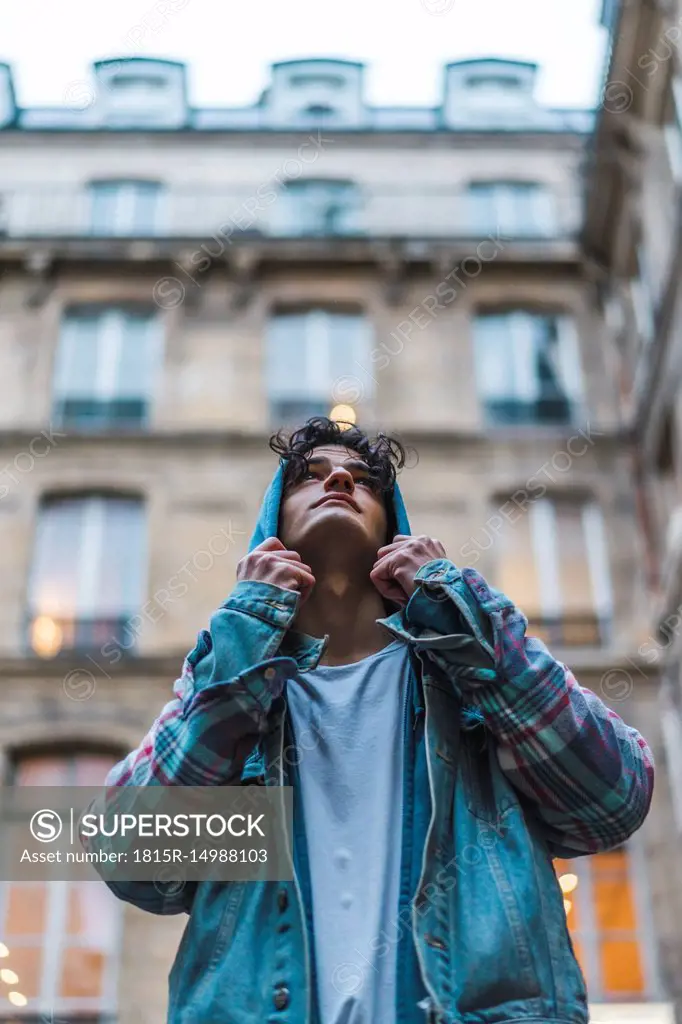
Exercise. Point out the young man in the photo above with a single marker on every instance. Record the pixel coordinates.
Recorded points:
(441, 759)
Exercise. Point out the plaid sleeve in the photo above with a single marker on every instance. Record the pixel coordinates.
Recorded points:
(204, 735)
(589, 775)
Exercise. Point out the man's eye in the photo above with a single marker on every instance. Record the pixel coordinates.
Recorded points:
(310, 474)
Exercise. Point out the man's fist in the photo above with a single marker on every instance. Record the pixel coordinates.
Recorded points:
(398, 563)
(271, 562)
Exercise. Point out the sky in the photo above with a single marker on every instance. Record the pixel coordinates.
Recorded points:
(228, 46)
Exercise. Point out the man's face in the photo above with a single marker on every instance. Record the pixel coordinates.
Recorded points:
(335, 502)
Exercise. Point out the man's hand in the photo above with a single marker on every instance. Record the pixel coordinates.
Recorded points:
(397, 564)
(271, 562)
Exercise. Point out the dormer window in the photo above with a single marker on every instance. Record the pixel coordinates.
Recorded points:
(315, 91)
(140, 91)
(317, 81)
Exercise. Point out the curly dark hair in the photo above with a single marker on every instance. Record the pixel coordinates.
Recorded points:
(384, 455)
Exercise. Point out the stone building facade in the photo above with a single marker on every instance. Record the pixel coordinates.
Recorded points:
(178, 282)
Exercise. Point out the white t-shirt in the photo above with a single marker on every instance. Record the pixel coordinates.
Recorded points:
(347, 721)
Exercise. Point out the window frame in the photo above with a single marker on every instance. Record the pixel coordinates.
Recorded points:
(126, 193)
(316, 364)
(505, 213)
(590, 936)
(545, 539)
(92, 537)
(54, 939)
(109, 339)
(303, 207)
(520, 322)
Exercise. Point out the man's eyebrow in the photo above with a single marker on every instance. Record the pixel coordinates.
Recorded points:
(318, 460)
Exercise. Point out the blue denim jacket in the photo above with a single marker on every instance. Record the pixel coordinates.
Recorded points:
(508, 763)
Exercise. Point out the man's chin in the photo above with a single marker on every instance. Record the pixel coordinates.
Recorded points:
(333, 522)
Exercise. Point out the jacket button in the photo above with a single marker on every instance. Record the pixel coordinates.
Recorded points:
(270, 674)
(282, 900)
(281, 998)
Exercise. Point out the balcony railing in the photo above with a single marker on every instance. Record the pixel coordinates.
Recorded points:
(553, 409)
(574, 629)
(50, 637)
(421, 211)
(91, 414)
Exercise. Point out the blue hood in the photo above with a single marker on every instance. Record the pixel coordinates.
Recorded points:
(268, 516)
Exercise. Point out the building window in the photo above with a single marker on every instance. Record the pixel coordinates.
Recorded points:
(316, 361)
(317, 207)
(88, 574)
(643, 301)
(105, 369)
(319, 112)
(317, 81)
(606, 916)
(527, 367)
(127, 208)
(515, 208)
(495, 83)
(138, 83)
(59, 940)
(672, 131)
(671, 729)
(552, 561)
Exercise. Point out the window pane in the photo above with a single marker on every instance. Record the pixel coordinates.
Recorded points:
(54, 581)
(82, 972)
(43, 771)
(286, 356)
(73, 927)
(106, 368)
(519, 207)
(574, 568)
(621, 967)
(89, 564)
(349, 342)
(579, 954)
(120, 560)
(26, 911)
(521, 365)
(517, 571)
(90, 770)
(91, 914)
(138, 355)
(27, 963)
(104, 207)
(317, 206)
(494, 356)
(124, 207)
(77, 356)
(145, 208)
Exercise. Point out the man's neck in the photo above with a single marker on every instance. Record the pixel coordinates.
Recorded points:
(344, 605)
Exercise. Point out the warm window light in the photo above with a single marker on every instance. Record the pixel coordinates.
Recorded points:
(17, 999)
(567, 905)
(568, 883)
(3, 950)
(343, 414)
(46, 637)
(9, 977)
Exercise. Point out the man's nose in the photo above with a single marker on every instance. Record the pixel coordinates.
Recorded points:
(340, 480)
